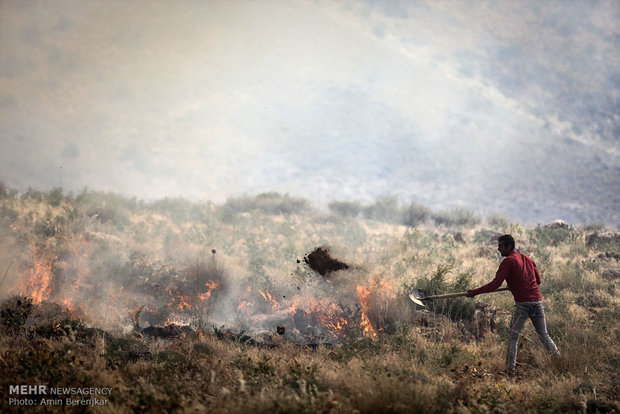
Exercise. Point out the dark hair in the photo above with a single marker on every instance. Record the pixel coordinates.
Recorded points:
(507, 241)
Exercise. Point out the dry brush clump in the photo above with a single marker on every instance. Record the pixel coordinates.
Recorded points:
(184, 306)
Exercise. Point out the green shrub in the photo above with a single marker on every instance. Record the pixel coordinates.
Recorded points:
(203, 349)
(455, 217)
(346, 208)
(486, 236)
(34, 195)
(171, 359)
(106, 208)
(268, 203)
(449, 355)
(549, 236)
(121, 350)
(499, 223)
(261, 369)
(592, 227)
(455, 308)
(303, 378)
(55, 196)
(415, 214)
(384, 209)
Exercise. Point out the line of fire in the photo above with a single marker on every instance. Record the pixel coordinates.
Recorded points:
(321, 304)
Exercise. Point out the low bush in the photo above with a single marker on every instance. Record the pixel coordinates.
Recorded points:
(122, 350)
(346, 208)
(268, 203)
(385, 209)
(202, 348)
(552, 236)
(455, 217)
(415, 214)
(457, 309)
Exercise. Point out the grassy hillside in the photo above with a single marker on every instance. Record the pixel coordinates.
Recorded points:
(91, 282)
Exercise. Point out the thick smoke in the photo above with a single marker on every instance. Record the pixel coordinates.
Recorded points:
(124, 266)
(511, 111)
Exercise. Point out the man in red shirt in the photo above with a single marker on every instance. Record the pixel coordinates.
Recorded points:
(522, 278)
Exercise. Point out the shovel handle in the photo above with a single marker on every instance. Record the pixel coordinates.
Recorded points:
(456, 295)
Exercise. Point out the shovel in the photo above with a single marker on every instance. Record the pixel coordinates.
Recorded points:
(417, 296)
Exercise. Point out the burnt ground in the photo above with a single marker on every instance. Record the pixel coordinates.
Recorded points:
(321, 261)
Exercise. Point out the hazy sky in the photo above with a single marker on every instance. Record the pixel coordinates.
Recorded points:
(449, 103)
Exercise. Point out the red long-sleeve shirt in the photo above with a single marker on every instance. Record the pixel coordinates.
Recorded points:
(521, 276)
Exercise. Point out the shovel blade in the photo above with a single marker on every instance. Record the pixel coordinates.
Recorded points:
(416, 296)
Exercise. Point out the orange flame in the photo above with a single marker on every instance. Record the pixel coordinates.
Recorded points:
(69, 305)
(180, 302)
(211, 286)
(243, 305)
(367, 329)
(38, 278)
(331, 319)
(270, 299)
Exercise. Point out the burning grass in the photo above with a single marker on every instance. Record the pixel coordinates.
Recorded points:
(190, 308)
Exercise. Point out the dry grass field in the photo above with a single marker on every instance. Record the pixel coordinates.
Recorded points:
(196, 307)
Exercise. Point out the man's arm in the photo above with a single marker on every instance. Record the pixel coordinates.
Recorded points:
(500, 276)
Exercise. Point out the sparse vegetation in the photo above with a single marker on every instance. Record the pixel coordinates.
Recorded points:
(231, 271)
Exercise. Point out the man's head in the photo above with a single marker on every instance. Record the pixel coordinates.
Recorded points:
(505, 244)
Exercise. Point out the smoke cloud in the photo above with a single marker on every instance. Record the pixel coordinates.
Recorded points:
(499, 107)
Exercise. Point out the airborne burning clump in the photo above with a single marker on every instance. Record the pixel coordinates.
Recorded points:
(321, 261)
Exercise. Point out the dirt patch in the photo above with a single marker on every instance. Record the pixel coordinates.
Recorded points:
(321, 261)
